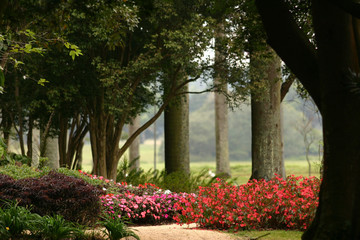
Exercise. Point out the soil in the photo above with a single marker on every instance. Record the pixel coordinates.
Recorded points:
(176, 232)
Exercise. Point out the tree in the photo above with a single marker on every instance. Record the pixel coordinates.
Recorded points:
(134, 149)
(266, 147)
(221, 106)
(264, 72)
(306, 130)
(176, 137)
(329, 72)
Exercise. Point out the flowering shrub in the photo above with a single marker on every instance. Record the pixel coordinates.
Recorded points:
(157, 208)
(276, 204)
(142, 204)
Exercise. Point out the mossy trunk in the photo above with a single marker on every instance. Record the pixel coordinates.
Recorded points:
(221, 108)
(176, 118)
(267, 154)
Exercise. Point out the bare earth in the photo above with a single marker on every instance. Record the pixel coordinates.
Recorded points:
(176, 232)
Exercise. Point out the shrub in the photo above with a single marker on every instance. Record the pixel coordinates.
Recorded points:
(56, 193)
(141, 209)
(142, 204)
(276, 204)
(79, 174)
(22, 171)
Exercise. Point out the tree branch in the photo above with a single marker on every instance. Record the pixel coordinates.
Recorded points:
(285, 86)
(291, 44)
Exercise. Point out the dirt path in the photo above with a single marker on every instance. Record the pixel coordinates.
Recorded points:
(176, 232)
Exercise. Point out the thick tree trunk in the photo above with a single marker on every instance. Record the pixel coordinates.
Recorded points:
(266, 145)
(134, 149)
(176, 120)
(338, 214)
(221, 110)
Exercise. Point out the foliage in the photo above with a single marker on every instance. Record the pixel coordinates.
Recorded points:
(81, 175)
(276, 204)
(56, 193)
(18, 171)
(175, 182)
(117, 229)
(15, 220)
(56, 228)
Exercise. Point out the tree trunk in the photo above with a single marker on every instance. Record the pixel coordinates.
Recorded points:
(29, 142)
(221, 109)
(134, 149)
(52, 152)
(338, 214)
(98, 144)
(20, 128)
(35, 147)
(63, 127)
(267, 159)
(176, 121)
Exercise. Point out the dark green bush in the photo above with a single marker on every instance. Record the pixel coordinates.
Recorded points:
(56, 193)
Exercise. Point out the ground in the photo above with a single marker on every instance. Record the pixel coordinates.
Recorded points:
(176, 232)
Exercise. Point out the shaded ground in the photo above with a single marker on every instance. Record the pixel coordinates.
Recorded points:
(176, 232)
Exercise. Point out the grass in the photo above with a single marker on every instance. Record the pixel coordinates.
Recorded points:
(271, 235)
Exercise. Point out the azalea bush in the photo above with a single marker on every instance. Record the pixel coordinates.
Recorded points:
(275, 204)
(142, 204)
(140, 209)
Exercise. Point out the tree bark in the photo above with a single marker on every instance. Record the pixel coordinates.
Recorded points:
(266, 140)
(338, 214)
(98, 126)
(35, 147)
(52, 152)
(134, 149)
(333, 87)
(176, 121)
(29, 141)
(221, 109)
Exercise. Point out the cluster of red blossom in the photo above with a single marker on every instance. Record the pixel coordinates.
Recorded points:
(274, 204)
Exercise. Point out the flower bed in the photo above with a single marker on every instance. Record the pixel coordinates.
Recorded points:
(142, 204)
(276, 204)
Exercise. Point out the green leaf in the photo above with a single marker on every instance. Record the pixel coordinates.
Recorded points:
(17, 63)
(67, 45)
(42, 81)
(75, 53)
